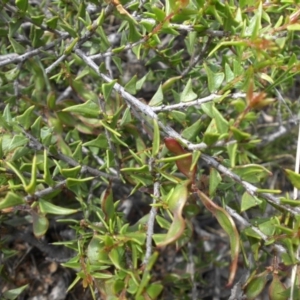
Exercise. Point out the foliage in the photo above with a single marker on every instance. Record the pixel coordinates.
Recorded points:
(80, 135)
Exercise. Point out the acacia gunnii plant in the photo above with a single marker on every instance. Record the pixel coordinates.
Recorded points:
(147, 149)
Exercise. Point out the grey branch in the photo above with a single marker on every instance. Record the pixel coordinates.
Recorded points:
(198, 102)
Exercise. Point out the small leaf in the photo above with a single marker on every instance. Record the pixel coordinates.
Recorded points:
(154, 290)
(107, 89)
(96, 252)
(30, 188)
(293, 177)
(158, 97)
(14, 293)
(188, 93)
(26, 118)
(22, 5)
(40, 224)
(130, 86)
(249, 201)
(11, 199)
(48, 208)
(192, 131)
(176, 204)
(156, 139)
(256, 286)
(184, 164)
(107, 204)
(277, 289)
(214, 180)
(99, 142)
(115, 256)
(88, 108)
(215, 80)
(228, 225)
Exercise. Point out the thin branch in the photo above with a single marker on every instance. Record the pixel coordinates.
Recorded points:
(45, 191)
(250, 188)
(27, 55)
(152, 215)
(35, 144)
(245, 223)
(198, 102)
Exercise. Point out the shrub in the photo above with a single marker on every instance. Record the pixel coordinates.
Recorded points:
(145, 146)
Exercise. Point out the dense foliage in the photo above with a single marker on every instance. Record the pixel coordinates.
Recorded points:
(146, 147)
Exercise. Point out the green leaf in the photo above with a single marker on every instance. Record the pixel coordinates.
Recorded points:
(158, 97)
(89, 108)
(14, 293)
(107, 89)
(130, 86)
(47, 175)
(293, 177)
(170, 82)
(22, 5)
(277, 289)
(252, 173)
(17, 141)
(214, 180)
(232, 151)
(97, 253)
(156, 139)
(30, 188)
(249, 201)
(192, 131)
(115, 256)
(99, 142)
(26, 118)
(40, 224)
(215, 80)
(107, 204)
(228, 225)
(154, 290)
(17, 172)
(52, 22)
(18, 48)
(188, 93)
(48, 208)
(11, 199)
(256, 286)
(176, 203)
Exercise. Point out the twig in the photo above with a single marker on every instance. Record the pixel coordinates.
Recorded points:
(198, 102)
(45, 191)
(245, 223)
(152, 215)
(56, 63)
(35, 144)
(251, 189)
(27, 55)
